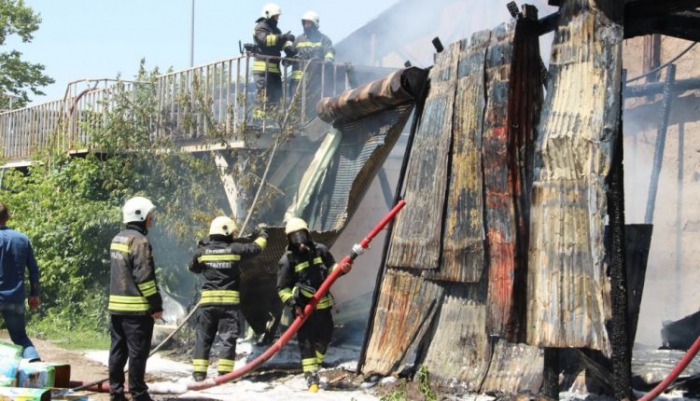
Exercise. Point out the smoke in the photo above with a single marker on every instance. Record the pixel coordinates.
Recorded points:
(404, 32)
(669, 291)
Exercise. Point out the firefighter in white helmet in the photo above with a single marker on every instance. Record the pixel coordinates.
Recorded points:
(301, 271)
(218, 260)
(317, 51)
(269, 43)
(134, 300)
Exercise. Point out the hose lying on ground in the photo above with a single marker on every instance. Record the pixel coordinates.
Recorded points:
(682, 364)
(343, 267)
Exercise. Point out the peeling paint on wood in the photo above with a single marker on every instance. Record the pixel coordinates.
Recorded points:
(566, 278)
(416, 238)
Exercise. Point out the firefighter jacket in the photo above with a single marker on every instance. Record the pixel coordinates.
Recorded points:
(311, 46)
(133, 289)
(218, 260)
(269, 42)
(300, 275)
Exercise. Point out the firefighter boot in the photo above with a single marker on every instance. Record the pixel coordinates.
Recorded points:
(312, 381)
(199, 376)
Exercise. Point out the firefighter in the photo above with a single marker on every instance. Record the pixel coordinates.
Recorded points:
(134, 300)
(316, 49)
(218, 260)
(301, 271)
(269, 43)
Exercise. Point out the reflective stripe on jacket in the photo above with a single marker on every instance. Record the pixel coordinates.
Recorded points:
(300, 275)
(269, 43)
(218, 260)
(133, 289)
(314, 45)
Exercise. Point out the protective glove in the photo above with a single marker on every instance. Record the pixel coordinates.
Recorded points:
(287, 37)
(260, 231)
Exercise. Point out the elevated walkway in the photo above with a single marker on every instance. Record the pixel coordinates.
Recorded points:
(200, 108)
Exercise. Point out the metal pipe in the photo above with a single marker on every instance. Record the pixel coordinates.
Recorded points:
(660, 144)
(679, 217)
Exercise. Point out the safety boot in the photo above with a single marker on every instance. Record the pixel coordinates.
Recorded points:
(117, 397)
(199, 376)
(312, 381)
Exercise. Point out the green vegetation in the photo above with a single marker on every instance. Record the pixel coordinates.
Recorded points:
(407, 392)
(16, 75)
(70, 207)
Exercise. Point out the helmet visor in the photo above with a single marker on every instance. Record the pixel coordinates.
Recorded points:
(297, 238)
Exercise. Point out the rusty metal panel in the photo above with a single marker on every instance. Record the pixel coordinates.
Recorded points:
(459, 351)
(498, 181)
(514, 368)
(463, 241)
(405, 309)
(398, 88)
(416, 238)
(567, 278)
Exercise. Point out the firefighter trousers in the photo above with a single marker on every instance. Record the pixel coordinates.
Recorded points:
(314, 337)
(210, 320)
(131, 339)
(269, 92)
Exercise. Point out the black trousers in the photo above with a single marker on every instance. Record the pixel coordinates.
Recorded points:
(210, 320)
(313, 337)
(269, 89)
(131, 339)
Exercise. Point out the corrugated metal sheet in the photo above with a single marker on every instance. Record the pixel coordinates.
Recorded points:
(416, 241)
(406, 306)
(515, 368)
(567, 278)
(498, 181)
(463, 241)
(459, 350)
(398, 88)
(490, 161)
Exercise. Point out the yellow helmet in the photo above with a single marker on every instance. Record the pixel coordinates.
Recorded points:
(295, 224)
(222, 225)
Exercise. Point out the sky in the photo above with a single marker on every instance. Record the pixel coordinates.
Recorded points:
(103, 38)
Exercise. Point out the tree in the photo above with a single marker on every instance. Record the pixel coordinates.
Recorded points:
(17, 76)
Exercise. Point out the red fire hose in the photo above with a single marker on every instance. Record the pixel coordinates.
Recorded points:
(682, 364)
(344, 267)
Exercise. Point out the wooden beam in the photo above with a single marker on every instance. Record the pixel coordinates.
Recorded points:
(684, 25)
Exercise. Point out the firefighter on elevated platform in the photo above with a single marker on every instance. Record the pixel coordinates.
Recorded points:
(316, 49)
(134, 301)
(269, 43)
(218, 260)
(301, 271)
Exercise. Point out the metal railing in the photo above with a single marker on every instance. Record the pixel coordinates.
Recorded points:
(190, 104)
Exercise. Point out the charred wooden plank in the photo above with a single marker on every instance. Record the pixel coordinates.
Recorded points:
(566, 276)
(406, 305)
(416, 238)
(463, 241)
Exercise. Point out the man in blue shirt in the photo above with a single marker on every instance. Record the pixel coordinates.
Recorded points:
(16, 255)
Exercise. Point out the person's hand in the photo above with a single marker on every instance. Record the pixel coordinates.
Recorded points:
(261, 230)
(287, 37)
(298, 311)
(157, 315)
(33, 303)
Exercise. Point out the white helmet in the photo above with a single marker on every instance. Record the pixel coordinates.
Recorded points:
(311, 16)
(137, 209)
(222, 225)
(270, 10)
(295, 224)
